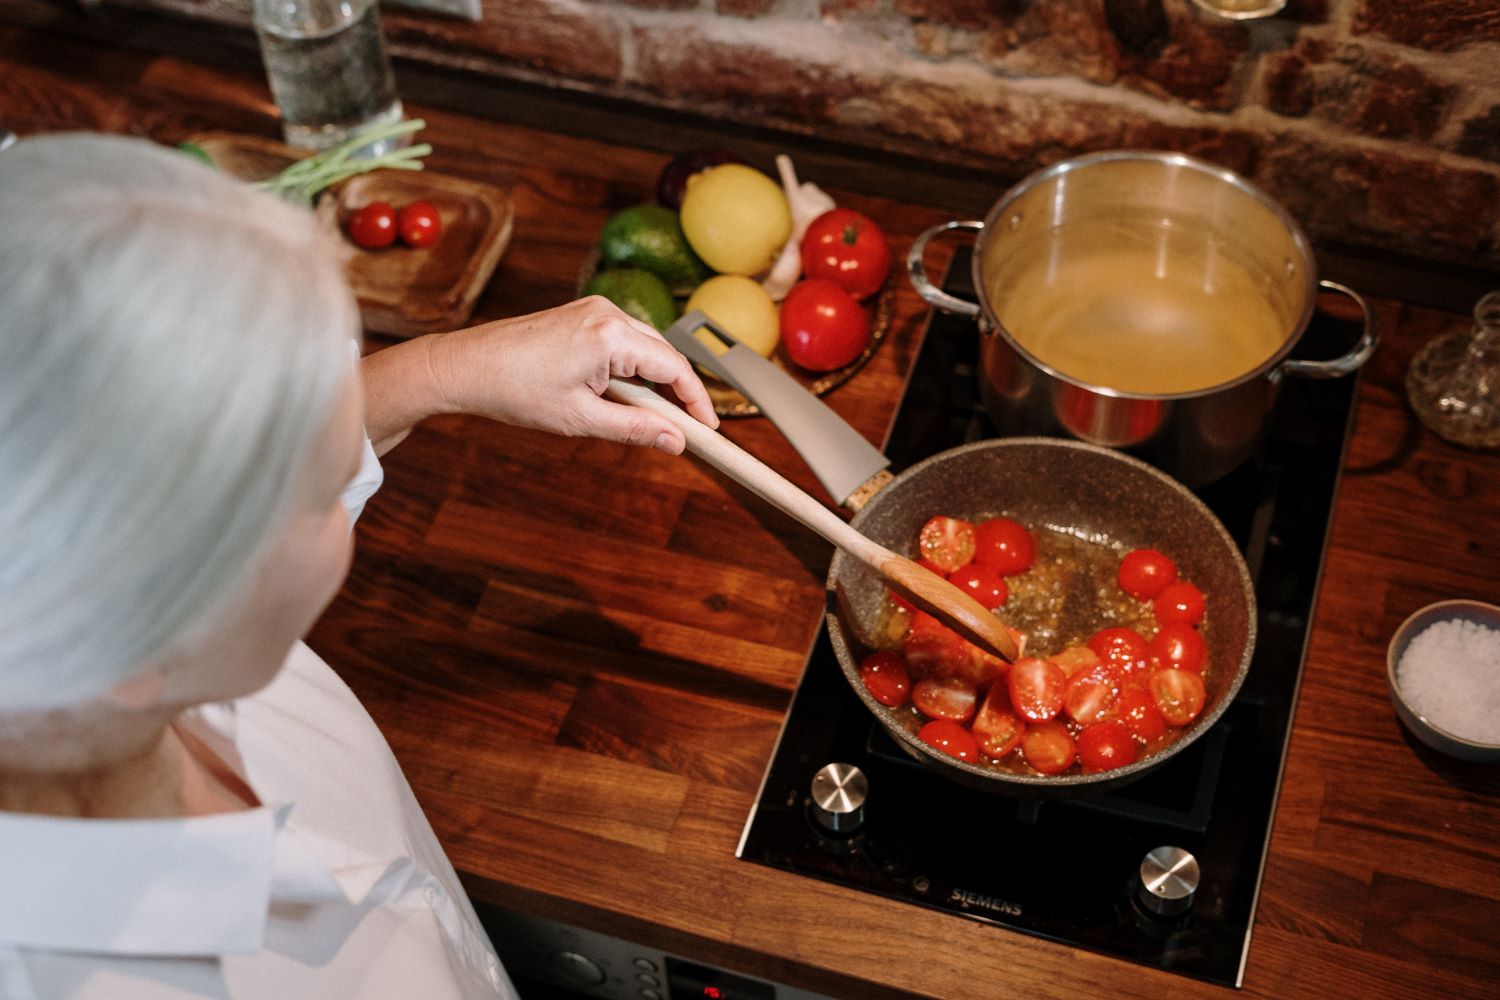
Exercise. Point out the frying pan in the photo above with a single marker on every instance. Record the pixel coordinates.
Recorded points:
(1084, 490)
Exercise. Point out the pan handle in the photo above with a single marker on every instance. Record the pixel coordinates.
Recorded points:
(1356, 357)
(916, 269)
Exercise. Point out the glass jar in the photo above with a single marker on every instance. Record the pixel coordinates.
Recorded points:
(1454, 382)
(328, 69)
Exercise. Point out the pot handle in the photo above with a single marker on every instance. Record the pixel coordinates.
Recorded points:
(1356, 357)
(916, 269)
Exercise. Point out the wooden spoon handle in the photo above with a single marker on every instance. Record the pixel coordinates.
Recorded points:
(928, 591)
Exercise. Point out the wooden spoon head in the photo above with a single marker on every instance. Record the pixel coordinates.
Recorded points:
(959, 611)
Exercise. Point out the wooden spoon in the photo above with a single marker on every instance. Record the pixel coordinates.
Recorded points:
(923, 588)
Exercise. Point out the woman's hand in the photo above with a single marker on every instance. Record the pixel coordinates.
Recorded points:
(545, 371)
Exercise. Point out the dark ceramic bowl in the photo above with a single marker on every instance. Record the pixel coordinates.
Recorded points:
(1085, 490)
(1420, 726)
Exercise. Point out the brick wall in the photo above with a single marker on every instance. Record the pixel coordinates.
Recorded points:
(1374, 121)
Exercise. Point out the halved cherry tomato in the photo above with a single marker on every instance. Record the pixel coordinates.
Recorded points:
(1036, 688)
(847, 248)
(1003, 545)
(1176, 645)
(1105, 746)
(945, 698)
(1124, 647)
(1144, 572)
(996, 727)
(951, 738)
(1179, 694)
(1179, 602)
(948, 542)
(1074, 659)
(886, 678)
(373, 227)
(1049, 747)
(1091, 692)
(1138, 711)
(986, 586)
(902, 602)
(935, 650)
(419, 224)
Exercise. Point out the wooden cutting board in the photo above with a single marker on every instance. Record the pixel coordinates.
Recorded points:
(402, 291)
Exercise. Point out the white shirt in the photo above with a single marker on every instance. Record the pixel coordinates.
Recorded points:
(334, 888)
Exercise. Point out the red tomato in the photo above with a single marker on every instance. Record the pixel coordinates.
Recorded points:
(945, 698)
(419, 224)
(1179, 602)
(1036, 688)
(822, 328)
(846, 248)
(935, 650)
(886, 678)
(1179, 694)
(1144, 572)
(373, 227)
(1003, 545)
(986, 586)
(1138, 711)
(1179, 646)
(1048, 747)
(902, 602)
(1123, 647)
(996, 727)
(948, 542)
(1074, 659)
(1105, 746)
(1091, 692)
(951, 738)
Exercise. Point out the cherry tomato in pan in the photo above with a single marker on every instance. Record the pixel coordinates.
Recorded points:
(1074, 659)
(1179, 694)
(846, 248)
(1105, 746)
(902, 602)
(996, 728)
(1036, 688)
(982, 583)
(1005, 546)
(935, 650)
(373, 227)
(951, 738)
(1049, 747)
(1179, 602)
(1091, 692)
(945, 698)
(1179, 646)
(1144, 572)
(1136, 709)
(885, 676)
(419, 224)
(1123, 647)
(947, 541)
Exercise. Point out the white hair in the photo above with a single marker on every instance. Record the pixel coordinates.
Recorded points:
(171, 345)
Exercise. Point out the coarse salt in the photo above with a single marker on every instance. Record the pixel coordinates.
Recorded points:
(1450, 675)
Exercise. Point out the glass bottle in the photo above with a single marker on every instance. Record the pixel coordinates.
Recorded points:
(1454, 382)
(328, 69)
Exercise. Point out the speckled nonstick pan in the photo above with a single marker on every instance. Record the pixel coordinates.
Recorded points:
(1083, 489)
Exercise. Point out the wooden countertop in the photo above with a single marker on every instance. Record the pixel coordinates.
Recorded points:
(581, 653)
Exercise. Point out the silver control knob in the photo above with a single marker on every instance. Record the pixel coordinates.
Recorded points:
(1169, 878)
(838, 797)
(577, 968)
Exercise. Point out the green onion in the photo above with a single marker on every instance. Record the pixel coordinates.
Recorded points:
(301, 182)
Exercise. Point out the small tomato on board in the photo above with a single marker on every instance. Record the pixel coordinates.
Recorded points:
(822, 327)
(373, 227)
(419, 224)
(849, 249)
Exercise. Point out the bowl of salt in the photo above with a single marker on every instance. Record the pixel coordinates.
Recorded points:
(1443, 670)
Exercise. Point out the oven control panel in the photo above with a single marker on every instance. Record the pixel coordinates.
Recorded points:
(588, 964)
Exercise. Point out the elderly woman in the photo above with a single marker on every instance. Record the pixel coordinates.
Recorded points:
(191, 803)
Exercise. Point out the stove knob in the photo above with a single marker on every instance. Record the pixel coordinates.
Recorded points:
(838, 797)
(1169, 877)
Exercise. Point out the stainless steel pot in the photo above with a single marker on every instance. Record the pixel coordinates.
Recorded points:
(1195, 219)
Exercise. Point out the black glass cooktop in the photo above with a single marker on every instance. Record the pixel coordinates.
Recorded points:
(1068, 869)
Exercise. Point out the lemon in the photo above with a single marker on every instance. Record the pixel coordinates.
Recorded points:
(736, 218)
(742, 308)
(638, 293)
